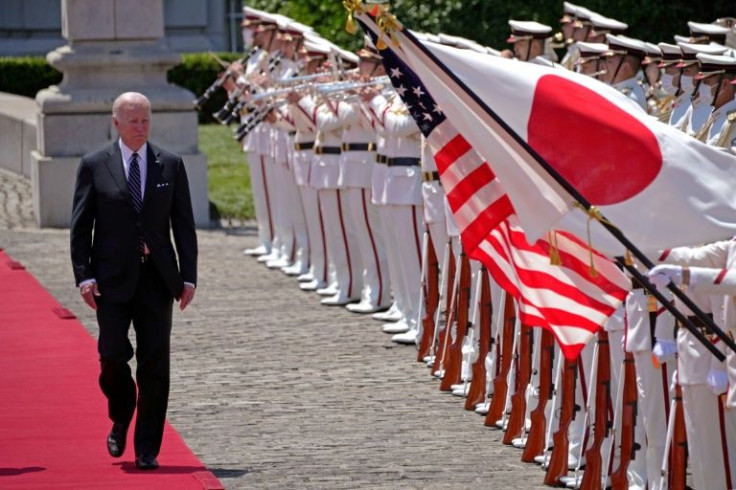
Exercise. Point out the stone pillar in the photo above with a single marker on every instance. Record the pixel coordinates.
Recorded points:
(115, 46)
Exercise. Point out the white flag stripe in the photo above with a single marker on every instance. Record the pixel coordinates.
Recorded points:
(545, 296)
(477, 203)
(536, 261)
(460, 169)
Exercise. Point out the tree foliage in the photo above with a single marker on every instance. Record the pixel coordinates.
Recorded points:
(486, 21)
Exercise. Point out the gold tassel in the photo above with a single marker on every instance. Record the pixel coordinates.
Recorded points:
(628, 259)
(350, 24)
(554, 251)
(351, 6)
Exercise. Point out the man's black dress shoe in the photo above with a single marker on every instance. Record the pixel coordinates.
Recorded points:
(116, 440)
(146, 463)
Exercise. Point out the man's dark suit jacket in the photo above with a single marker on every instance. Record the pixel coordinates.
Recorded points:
(105, 228)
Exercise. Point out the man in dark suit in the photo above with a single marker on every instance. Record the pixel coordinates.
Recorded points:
(128, 199)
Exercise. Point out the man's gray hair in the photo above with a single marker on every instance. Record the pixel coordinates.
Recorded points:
(129, 98)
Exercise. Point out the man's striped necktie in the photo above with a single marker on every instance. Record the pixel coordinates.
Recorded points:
(134, 187)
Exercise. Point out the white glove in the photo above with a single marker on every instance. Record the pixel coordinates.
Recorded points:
(661, 275)
(717, 381)
(664, 350)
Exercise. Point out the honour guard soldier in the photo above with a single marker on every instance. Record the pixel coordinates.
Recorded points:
(623, 62)
(671, 76)
(700, 107)
(531, 40)
(314, 55)
(356, 168)
(717, 73)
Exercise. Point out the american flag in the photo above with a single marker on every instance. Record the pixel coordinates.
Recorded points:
(567, 299)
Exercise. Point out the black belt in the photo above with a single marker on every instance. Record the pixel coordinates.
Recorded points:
(403, 162)
(292, 133)
(358, 146)
(381, 159)
(305, 145)
(430, 176)
(327, 150)
(700, 324)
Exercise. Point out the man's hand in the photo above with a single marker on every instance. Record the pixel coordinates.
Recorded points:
(186, 296)
(88, 292)
(661, 275)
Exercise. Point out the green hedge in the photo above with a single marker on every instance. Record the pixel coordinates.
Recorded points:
(26, 75)
(29, 74)
(196, 72)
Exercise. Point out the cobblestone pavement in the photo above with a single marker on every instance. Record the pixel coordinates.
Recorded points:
(272, 390)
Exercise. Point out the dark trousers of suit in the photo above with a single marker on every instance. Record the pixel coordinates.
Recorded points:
(150, 312)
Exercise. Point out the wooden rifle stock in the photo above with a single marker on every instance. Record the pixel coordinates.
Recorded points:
(619, 478)
(454, 356)
(535, 440)
(678, 446)
(523, 375)
(431, 300)
(559, 458)
(500, 387)
(593, 459)
(449, 313)
(477, 391)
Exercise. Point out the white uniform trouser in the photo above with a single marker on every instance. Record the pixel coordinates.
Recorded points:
(341, 243)
(280, 201)
(702, 422)
(577, 430)
(271, 177)
(369, 240)
(259, 189)
(315, 233)
(403, 225)
(297, 219)
(653, 384)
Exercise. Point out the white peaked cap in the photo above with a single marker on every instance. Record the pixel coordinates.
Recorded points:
(529, 27)
(606, 23)
(707, 29)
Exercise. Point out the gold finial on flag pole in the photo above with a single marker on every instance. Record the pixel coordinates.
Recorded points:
(351, 6)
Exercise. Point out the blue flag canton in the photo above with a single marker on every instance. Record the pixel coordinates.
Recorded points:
(422, 107)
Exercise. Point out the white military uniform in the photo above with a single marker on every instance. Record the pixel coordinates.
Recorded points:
(342, 250)
(400, 199)
(258, 176)
(722, 131)
(705, 417)
(306, 128)
(631, 88)
(356, 168)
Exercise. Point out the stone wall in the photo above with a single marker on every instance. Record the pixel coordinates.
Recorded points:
(17, 132)
(33, 27)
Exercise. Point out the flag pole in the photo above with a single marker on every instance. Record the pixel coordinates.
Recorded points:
(594, 213)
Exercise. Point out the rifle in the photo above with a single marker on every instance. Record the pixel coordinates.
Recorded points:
(558, 460)
(506, 352)
(476, 393)
(431, 276)
(535, 440)
(450, 306)
(675, 453)
(217, 84)
(619, 479)
(454, 353)
(523, 375)
(593, 461)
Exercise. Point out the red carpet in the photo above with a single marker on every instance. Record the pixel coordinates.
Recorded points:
(53, 417)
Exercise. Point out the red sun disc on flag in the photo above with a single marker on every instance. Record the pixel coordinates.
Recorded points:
(608, 155)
